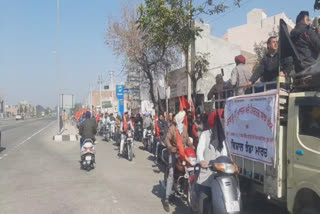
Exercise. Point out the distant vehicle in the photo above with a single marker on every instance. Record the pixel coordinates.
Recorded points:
(42, 114)
(19, 117)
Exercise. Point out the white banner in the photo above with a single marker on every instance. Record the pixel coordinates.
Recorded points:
(250, 125)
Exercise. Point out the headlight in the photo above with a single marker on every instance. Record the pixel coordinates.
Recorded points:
(227, 168)
(193, 161)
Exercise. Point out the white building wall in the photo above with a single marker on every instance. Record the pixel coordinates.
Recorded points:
(257, 29)
(222, 55)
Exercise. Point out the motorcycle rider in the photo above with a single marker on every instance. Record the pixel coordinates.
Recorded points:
(147, 124)
(176, 129)
(211, 146)
(163, 127)
(126, 123)
(138, 122)
(87, 129)
(112, 121)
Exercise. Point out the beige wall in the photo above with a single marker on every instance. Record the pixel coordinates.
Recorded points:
(257, 29)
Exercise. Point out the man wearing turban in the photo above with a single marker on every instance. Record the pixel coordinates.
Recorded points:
(176, 139)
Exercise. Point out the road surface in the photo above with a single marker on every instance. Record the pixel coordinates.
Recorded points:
(38, 175)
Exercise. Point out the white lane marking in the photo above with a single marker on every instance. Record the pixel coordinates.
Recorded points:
(17, 146)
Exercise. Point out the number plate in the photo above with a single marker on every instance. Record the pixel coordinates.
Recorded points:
(88, 157)
(233, 206)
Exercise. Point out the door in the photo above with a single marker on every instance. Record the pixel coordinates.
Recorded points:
(303, 145)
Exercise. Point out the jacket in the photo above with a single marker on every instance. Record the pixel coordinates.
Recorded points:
(268, 69)
(163, 126)
(307, 42)
(88, 129)
(207, 152)
(147, 123)
(171, 139)
(240, 76)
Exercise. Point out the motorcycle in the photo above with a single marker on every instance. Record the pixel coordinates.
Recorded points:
(128, 146)
(138, 135)
(107, 133)
(112, 128)
(117, 136)
(225, 189)
(184, 176)
(87, 155)
(148, 140)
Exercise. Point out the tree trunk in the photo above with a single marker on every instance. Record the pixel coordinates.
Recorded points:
(194, 91)
(151, 91)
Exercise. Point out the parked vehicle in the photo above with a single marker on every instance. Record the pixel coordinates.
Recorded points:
(19, 117)
(87, 155)
(225, 190)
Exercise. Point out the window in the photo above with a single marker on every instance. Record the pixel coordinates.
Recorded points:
(309, 118)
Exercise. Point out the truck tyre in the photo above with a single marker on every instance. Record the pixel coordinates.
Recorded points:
(308, 211)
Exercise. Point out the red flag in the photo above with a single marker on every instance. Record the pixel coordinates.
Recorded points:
(125, 124)
(156, 125)
(193, 111)
(181, 105)
(78, 114)
(185, 103)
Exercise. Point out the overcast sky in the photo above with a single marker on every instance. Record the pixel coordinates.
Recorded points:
(28, 43)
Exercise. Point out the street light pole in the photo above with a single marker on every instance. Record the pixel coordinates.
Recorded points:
(58, 61)
(100, 89)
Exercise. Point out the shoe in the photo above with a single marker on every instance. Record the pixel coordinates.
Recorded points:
(166, 205)
(172, 199)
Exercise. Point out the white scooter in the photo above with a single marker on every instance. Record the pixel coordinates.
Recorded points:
(87, 155)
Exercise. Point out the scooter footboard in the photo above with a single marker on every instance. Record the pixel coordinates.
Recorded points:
(226, 197)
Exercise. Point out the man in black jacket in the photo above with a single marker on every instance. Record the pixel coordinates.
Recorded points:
(88, 129)
(268, 69)
(306, 40)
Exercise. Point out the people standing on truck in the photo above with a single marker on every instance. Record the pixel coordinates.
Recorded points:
(197, 129)
(176, 128)
(306, 40)
(268, 69)
(211, 146)
(216, 90)
(204, 120)
(240, 75)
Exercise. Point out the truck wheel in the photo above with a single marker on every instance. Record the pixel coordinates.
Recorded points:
(308, 211)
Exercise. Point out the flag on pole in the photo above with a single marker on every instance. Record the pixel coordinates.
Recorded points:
(185, 103)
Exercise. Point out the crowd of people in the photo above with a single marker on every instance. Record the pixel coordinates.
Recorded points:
(306, 41)
(201, 131)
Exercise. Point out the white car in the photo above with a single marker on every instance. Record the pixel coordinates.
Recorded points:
(19, 117)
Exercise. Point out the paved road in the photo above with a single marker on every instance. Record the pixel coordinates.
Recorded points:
(43, 176)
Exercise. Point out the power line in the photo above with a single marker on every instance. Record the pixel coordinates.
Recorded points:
(244, 5)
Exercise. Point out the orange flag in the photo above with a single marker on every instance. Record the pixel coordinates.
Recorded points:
(180, 146)
(181, 106)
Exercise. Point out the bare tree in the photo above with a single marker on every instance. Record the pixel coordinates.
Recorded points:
(127, 40)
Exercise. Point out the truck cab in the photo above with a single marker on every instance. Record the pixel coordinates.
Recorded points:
(303, 153)
(293, 178)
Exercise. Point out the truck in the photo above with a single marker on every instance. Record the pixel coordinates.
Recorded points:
(284, 166)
